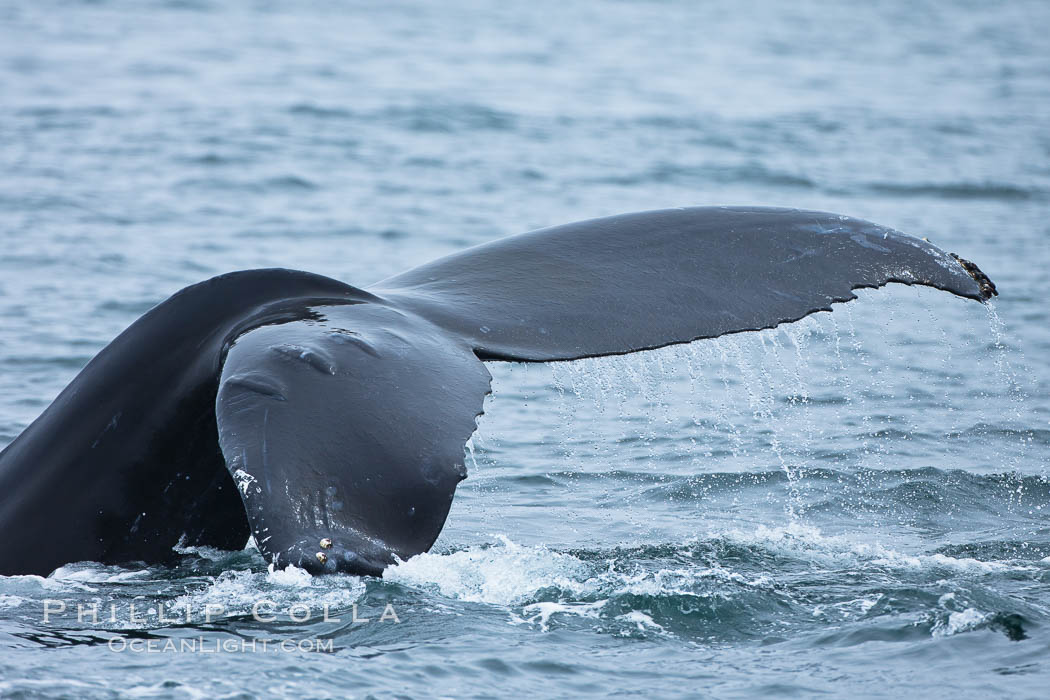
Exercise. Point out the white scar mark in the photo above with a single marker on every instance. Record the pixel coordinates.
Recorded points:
(244, 480)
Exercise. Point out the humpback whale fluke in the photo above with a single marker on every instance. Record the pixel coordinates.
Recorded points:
(329, 422)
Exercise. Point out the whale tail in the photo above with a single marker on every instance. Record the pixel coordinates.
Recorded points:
(345, 431)
(342, 414)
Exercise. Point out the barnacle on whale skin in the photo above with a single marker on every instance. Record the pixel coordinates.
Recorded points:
(988, 289)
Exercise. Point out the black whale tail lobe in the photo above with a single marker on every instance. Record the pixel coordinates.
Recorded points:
(644, 280)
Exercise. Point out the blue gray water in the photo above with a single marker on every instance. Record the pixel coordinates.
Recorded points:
(857, 504)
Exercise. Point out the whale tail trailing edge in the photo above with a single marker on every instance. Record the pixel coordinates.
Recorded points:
(640, 281)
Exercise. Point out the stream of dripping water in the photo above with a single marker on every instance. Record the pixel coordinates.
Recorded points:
(745, 402)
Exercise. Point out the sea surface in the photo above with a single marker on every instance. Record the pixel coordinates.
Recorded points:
(855, 505)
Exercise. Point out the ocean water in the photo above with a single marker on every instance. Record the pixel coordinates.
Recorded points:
(854, 505)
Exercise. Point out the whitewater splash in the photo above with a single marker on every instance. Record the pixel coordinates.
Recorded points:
(708, 582)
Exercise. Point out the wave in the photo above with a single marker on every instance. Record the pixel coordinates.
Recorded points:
(736, 584)
(280, 183)
(959, 190)
(310, 109)
(829, 490)
(446, 118)
(767, 583)
(749, 173)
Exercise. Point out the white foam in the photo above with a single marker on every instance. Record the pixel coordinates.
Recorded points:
(202, 551)
(503, 574)
(289, 576)
(848, 609)
(96, 573)
(541, 613)
(38, 581)
(963, 621)
(807, 542)
(508, 574)
(642, 622)
(236, 592)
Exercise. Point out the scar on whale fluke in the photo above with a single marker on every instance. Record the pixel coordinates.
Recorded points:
(329, 422)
